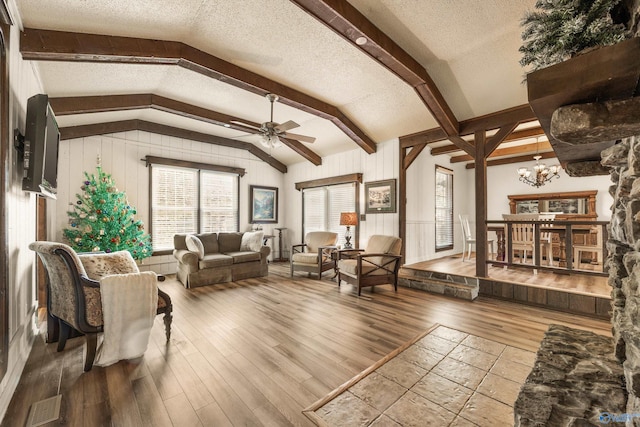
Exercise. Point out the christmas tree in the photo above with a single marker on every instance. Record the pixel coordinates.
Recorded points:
(558, 29)
(103, 220)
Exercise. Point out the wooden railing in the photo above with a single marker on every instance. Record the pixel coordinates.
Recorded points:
(565, 231)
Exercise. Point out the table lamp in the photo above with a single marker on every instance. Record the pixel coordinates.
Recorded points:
(348, 219)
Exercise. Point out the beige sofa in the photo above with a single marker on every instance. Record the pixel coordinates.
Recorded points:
(225, 258)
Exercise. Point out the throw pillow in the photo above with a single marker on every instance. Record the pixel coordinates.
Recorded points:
(252, 241)
(194, 245)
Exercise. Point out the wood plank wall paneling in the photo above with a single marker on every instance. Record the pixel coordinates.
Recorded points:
(121, 156)
(378, 166)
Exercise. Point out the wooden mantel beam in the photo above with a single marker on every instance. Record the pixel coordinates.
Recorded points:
(83, 131)
(96, 104)
(354, 27)
(47, 45)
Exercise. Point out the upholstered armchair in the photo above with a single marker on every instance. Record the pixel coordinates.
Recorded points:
(314, 255)
(377, 264)
(74, 291)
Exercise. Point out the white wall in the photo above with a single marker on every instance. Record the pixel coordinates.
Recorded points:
(421, 210)
(120, 155)
(383, 164)
(20, 210)
(503, 181)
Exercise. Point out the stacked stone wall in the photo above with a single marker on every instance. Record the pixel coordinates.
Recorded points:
(623, 262)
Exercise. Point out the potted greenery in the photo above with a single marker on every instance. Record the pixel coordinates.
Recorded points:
(580, 54)
(560, 29)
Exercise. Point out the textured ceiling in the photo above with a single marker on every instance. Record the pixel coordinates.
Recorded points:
(469, 48)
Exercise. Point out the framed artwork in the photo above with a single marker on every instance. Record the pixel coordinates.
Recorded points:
(263, 204)
(380, 196)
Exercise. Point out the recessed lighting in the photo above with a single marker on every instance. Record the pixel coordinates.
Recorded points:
(361, 40)
(227, 125)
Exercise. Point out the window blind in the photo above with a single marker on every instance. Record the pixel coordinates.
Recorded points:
(218, 202)
(342, 198)
(322, 207)
(174, 204)
(444, 208)
(314, 207)
(191, 200)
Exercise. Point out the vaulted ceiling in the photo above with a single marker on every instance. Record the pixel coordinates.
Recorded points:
(423, 65)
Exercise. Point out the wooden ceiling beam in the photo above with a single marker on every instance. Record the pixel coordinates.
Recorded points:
(412, 155)
(463, 145)
(510, 160)
(520, 114)
(520, 149)
(514, 136)
(493, 142)
(72, 132)
(348, 22)
(63, 106)
(424, 137)
(48, 45)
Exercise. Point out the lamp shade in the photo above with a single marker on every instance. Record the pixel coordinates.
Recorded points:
(348, 218)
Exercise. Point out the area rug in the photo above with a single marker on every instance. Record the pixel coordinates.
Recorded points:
(444, 377)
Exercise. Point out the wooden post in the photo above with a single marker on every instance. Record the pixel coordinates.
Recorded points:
(481, 203)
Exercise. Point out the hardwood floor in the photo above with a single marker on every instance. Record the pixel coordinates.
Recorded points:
(259, 351)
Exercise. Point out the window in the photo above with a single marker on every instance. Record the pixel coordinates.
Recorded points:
(191, 200)
(322, 207)
(444, 209)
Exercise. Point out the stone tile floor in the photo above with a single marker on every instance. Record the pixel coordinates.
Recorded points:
(446, 378)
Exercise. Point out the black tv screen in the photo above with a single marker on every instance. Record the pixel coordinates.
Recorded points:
(42, 139)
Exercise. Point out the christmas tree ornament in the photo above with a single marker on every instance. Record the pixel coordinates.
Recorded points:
(119, 231)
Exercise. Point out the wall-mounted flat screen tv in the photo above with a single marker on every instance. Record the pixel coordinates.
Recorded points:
(42, 138)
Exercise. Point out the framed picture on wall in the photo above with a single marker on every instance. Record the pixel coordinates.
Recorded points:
(380, 196)
(263, 204)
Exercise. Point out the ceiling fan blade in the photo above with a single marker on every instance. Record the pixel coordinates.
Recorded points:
(286, 126)
(249, 125)
(302, 138)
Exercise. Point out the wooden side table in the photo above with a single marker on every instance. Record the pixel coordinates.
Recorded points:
(280, 258)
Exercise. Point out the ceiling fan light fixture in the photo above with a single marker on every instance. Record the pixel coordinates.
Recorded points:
(270, 141)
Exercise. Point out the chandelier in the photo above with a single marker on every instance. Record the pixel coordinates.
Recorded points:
(541, 173)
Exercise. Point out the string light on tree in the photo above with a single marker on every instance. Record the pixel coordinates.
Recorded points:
(103, 220)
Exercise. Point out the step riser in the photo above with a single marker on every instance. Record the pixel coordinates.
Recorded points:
(455, 290)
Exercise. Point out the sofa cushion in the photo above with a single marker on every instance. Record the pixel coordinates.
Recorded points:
(315, 239)
(210, 242)
(195, 245)
(350, 268)
(240, 257)
(229, 242)
(179, 242)
(215, 260)
(305, 258)
(252, 241)
(379, 244)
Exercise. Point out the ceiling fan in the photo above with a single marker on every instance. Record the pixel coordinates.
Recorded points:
(271, 132)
